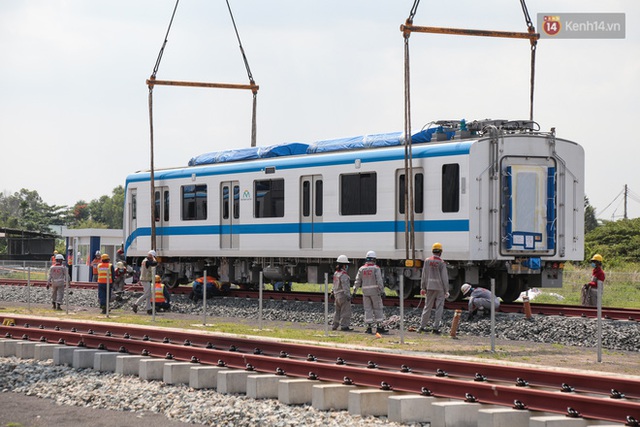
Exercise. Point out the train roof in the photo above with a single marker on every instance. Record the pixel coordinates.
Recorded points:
(453, 137)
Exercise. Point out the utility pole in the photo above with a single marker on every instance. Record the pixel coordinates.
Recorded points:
(625, 200)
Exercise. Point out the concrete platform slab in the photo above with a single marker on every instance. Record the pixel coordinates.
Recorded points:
(177, 372)
(455, 414)
(263, 386)
(503, 417)
(44, 351)
(83, 358)
(152, 369)
(25, 349)
(128, 364)
(557, 421)
(325, 397)
(409, 408)
(63, 355)
(7, 347)
(233, 381)
(105, 361)
(369, 402)
(296, 391)
(204, 376)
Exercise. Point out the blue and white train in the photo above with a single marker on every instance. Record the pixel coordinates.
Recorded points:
(505, 200)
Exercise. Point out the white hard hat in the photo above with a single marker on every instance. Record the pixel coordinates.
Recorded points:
(465, 288)
(97, 253)
(343, 259)
(152, 253)
(59, 256)
(371, 254)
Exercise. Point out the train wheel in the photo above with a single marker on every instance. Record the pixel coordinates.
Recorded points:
(514, 288)
(410, 288)
(172, 281)
(455, 294)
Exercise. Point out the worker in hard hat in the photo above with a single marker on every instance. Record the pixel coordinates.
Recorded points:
(369, 278)
(434, 284)
(93, 272)
(146, 277)
(341, 292)
(57, 279)
(105, 281)
(160, 295)
(589, 295)
(479, 300)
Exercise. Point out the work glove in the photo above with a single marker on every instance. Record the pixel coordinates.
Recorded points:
(382, 295)
(48, 286)
(446, 295)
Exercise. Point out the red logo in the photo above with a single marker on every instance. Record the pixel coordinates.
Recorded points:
(551, 25)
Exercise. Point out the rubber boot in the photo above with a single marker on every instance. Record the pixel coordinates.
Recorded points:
(58, 307)
(54, 305)
(368, 331)
(381, 330)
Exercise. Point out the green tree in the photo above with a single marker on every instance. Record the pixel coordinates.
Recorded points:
(617, 241)
(590, 221)
(25, 210)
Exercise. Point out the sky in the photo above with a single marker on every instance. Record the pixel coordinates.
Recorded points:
(74, 105)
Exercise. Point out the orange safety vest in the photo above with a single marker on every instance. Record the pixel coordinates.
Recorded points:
(94, 265)
(159, 292)
(104, 272)
(210, 279)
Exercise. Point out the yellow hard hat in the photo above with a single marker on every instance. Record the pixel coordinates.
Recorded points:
(158, 278)
(104, 257)
(436, 247)
(597, 257)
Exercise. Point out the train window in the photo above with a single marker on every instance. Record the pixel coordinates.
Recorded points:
(166, 205)
(319, 198)
(358, 194)
(306, 198)
(236, 201)
(451, 187)
(418, 191)
(225, 202)
(134, 206)
(156, 205)
(194, 202)
(269, 198)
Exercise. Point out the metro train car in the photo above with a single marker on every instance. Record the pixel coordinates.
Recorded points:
(505, 200)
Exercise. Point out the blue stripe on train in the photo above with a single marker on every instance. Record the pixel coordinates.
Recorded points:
(456, 225)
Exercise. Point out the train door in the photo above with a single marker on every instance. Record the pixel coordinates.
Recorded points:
(418, 208)
(229, 214)
(161, 215)
(529, 206)
(132, 215)
(311, 206)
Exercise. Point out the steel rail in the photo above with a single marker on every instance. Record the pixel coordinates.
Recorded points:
(388, 368)
(609, 313)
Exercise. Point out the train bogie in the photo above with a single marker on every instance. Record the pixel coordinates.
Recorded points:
(506, 204)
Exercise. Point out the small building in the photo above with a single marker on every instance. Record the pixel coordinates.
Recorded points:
(26, 245)
(83, 243)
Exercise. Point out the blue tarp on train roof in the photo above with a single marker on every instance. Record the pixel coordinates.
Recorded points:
(238, 154)
(374, 140)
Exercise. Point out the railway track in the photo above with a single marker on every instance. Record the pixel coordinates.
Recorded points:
(610, 398)
(612, 313)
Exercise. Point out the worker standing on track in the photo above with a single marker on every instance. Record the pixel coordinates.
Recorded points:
(58, 278)
(341, 291)
(105, 275)
(369, 278)
(435, 285)
(589, 296)
(145, 280)
(479, 300)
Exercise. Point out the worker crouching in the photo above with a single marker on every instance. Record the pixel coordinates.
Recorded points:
(479, 300)
(160, 296)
